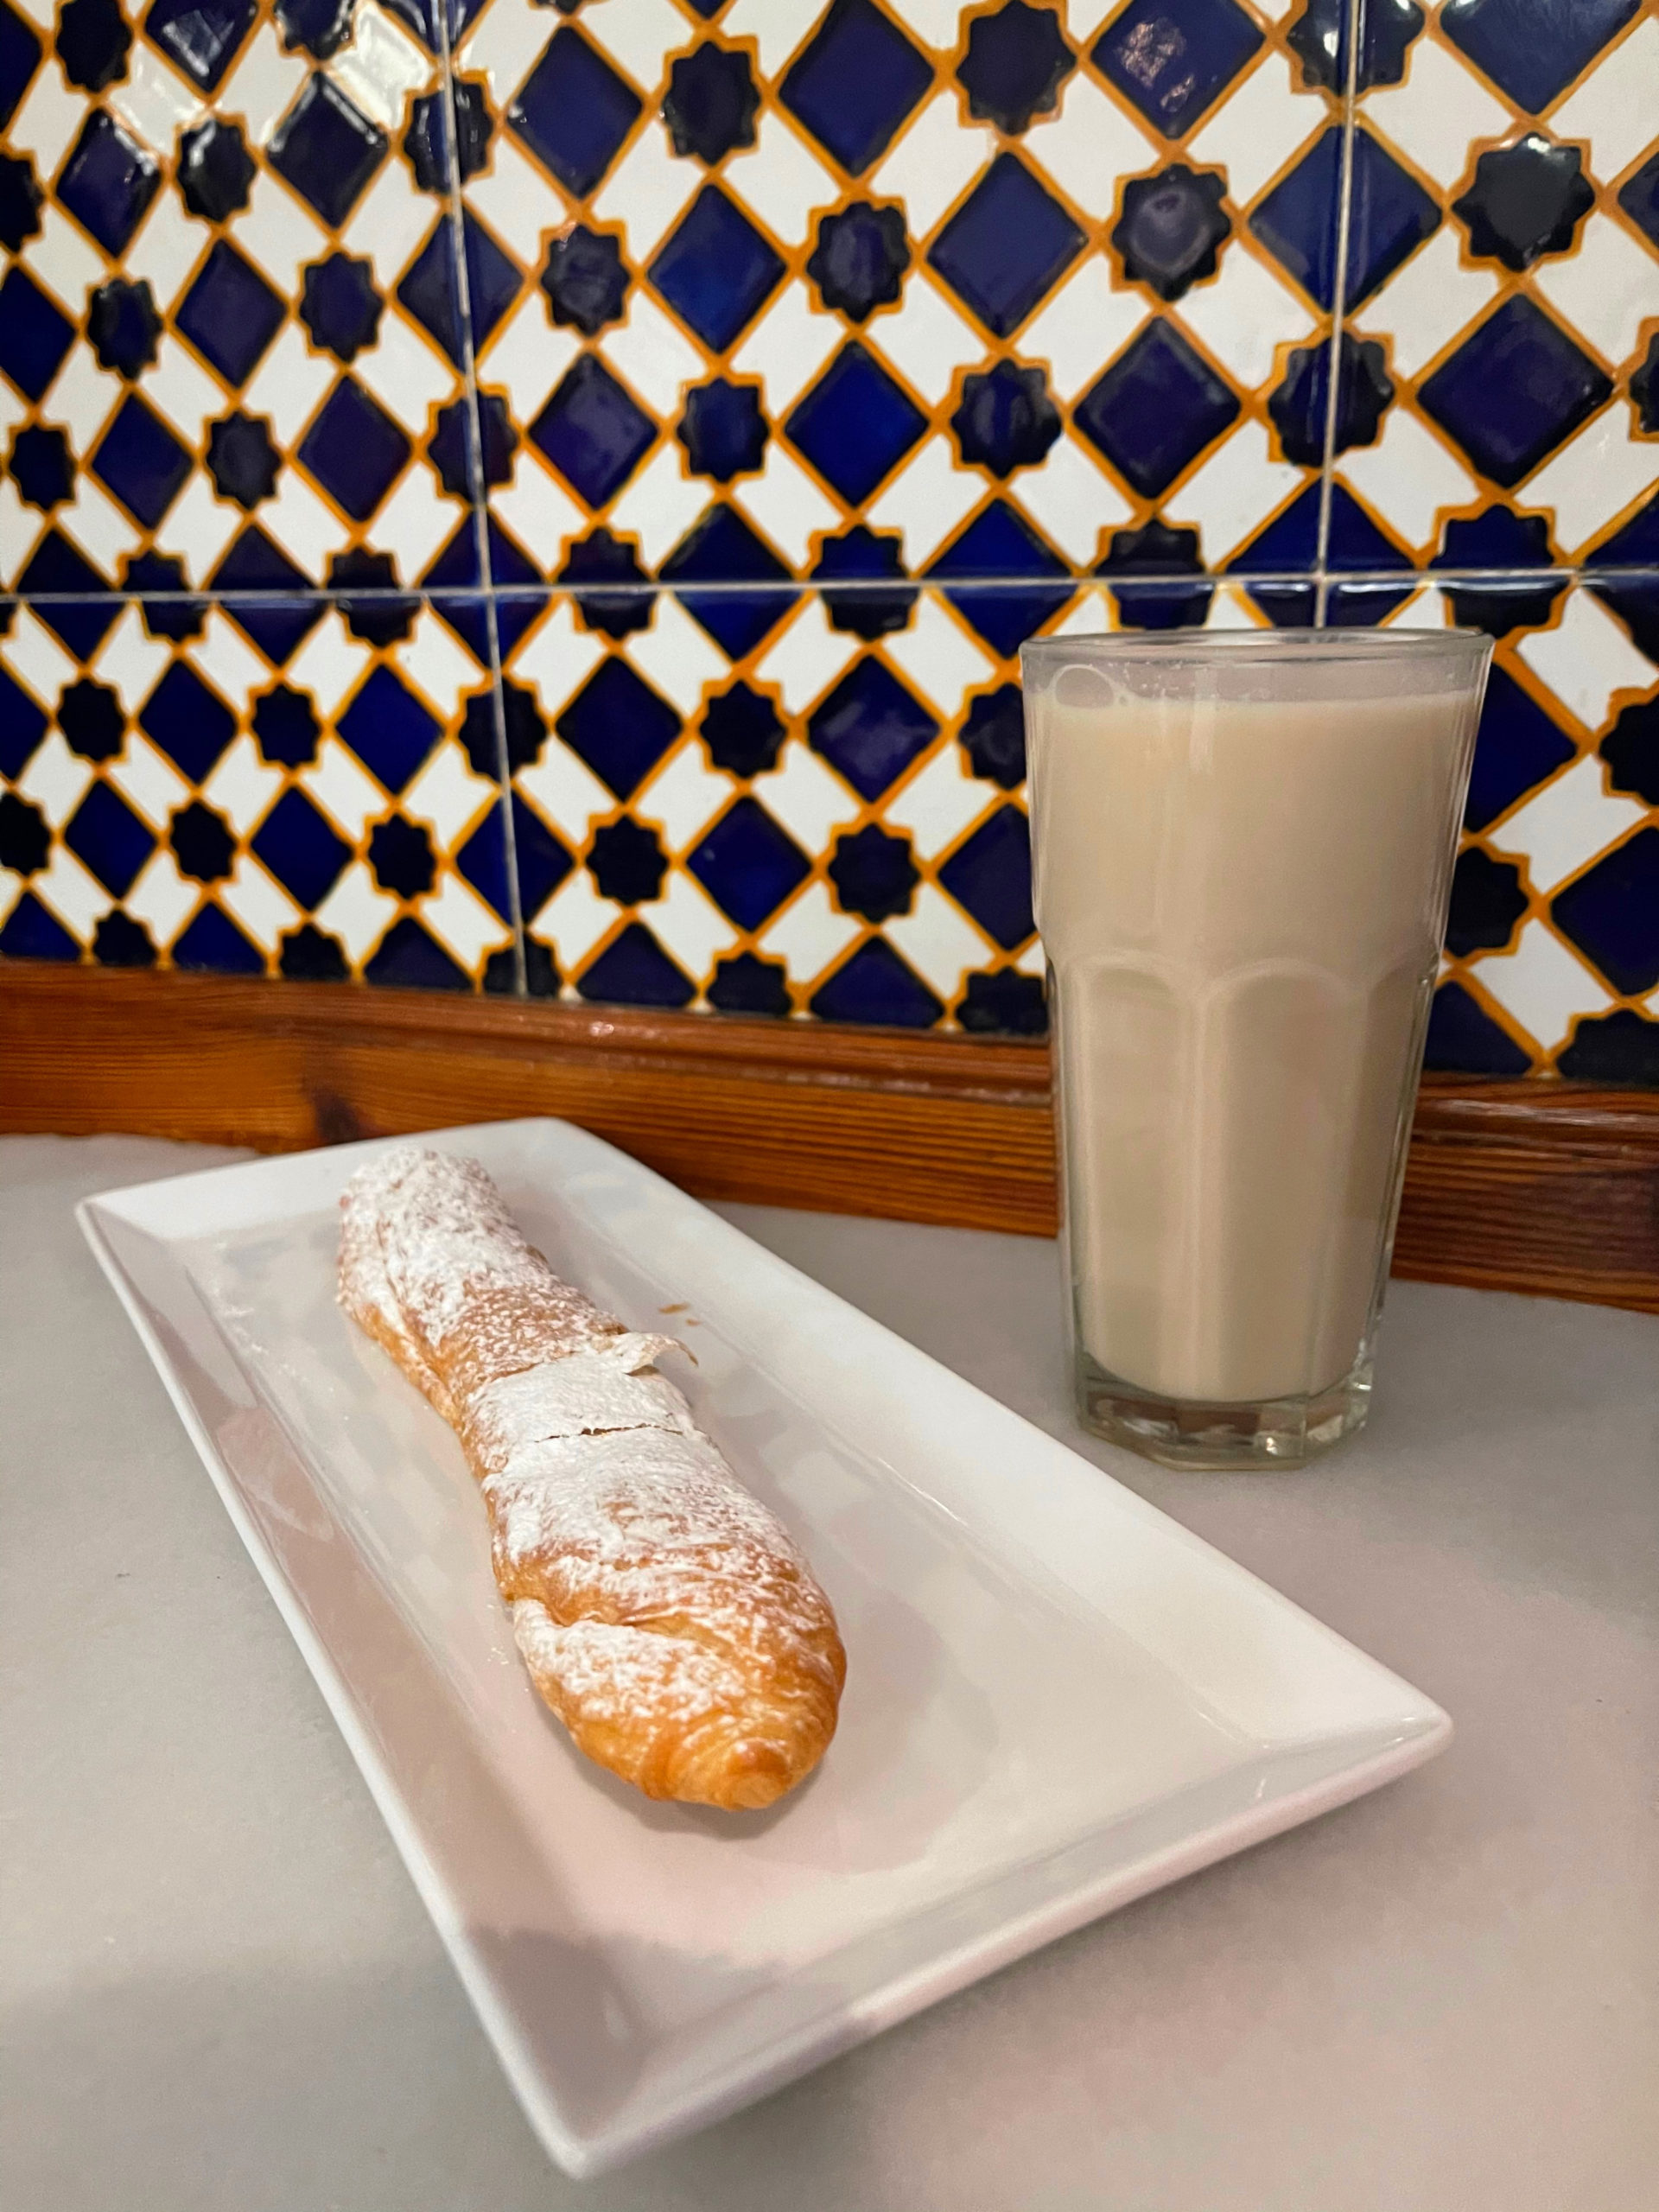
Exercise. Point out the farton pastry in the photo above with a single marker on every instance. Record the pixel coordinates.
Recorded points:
(664, 1613)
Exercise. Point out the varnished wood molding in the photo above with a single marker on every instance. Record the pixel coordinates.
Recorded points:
(1541, 1186)
(943, 1129)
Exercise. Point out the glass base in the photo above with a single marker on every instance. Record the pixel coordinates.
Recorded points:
(1194, 1432)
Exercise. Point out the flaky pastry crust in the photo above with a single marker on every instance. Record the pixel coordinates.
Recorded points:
(664, 1613)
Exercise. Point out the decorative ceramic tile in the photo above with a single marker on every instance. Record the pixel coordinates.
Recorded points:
(811, 354)
(229, 335)
(1552, 955)
(831, 821)
(865, 291)
(301, 787)
(1503, 285)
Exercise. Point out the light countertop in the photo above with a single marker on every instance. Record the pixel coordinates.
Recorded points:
(218, 1990)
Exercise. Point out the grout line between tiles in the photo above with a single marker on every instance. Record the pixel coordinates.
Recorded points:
(479, 492)
(1244, 578)
(1353, 16)
(852, 587)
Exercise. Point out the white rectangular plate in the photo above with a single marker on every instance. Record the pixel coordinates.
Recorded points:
(1057, 1698)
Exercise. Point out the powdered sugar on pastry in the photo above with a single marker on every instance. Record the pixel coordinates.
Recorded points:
(664, 1613)
(616, 1672)
(580, 1395)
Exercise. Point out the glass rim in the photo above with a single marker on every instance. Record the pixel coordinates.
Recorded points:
(1301, 644)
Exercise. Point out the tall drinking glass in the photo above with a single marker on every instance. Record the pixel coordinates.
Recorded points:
(1242, 847)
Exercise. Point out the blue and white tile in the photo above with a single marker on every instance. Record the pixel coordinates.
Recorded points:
(1503, 285)
(998, 327)
(833, 823)
(303, 788)
(1555, 904)
(229, 339)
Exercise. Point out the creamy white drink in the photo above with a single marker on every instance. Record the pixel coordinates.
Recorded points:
(1242, 899)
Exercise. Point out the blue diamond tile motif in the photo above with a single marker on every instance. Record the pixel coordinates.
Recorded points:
(1637, 604)
(634, 970)
(431, 291)
(870, 728)
(1463, 1040)
(109, 181)
(35, 333)
(191, 724)
(1517, 747)
(326, 150)
(1000, 542)
(407, 958)
(1514, 391)
(1636, 545)
(109, 837)
(432, 23)
(990, 875)
(82, 622)
(747, 864)
(1174, 58)
(1612, 913)
(593, 431)
(1156, 408)
(1534, 48)
(212, 942)
(1289, 542)
(875, 986)
(619, 726)
(1391, 216)
(573, 110)
(855, 83)
(141, 461)
(31, 933)
(543, 862)
(722, 549)
(1297, 221)
(202, 36)
(1639, 198)
(354, 449)
(300, 848)
(229, 314)
(715, 270)
(855, 424)
(20, 54)
(388, 729)
(457, 566)
(1354, 541)
(1006, 247)
(22, 724)
(254, 564)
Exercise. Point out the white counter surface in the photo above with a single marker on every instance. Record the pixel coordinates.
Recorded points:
(218, 1989)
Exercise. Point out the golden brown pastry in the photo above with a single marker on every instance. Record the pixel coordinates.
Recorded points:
(664, 1615)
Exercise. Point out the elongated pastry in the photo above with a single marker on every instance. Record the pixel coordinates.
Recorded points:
(664, 1615)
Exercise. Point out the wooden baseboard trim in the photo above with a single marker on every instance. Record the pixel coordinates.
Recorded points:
(1541, 1186)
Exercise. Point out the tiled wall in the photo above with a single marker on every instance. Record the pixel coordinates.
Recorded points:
(677, 412)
